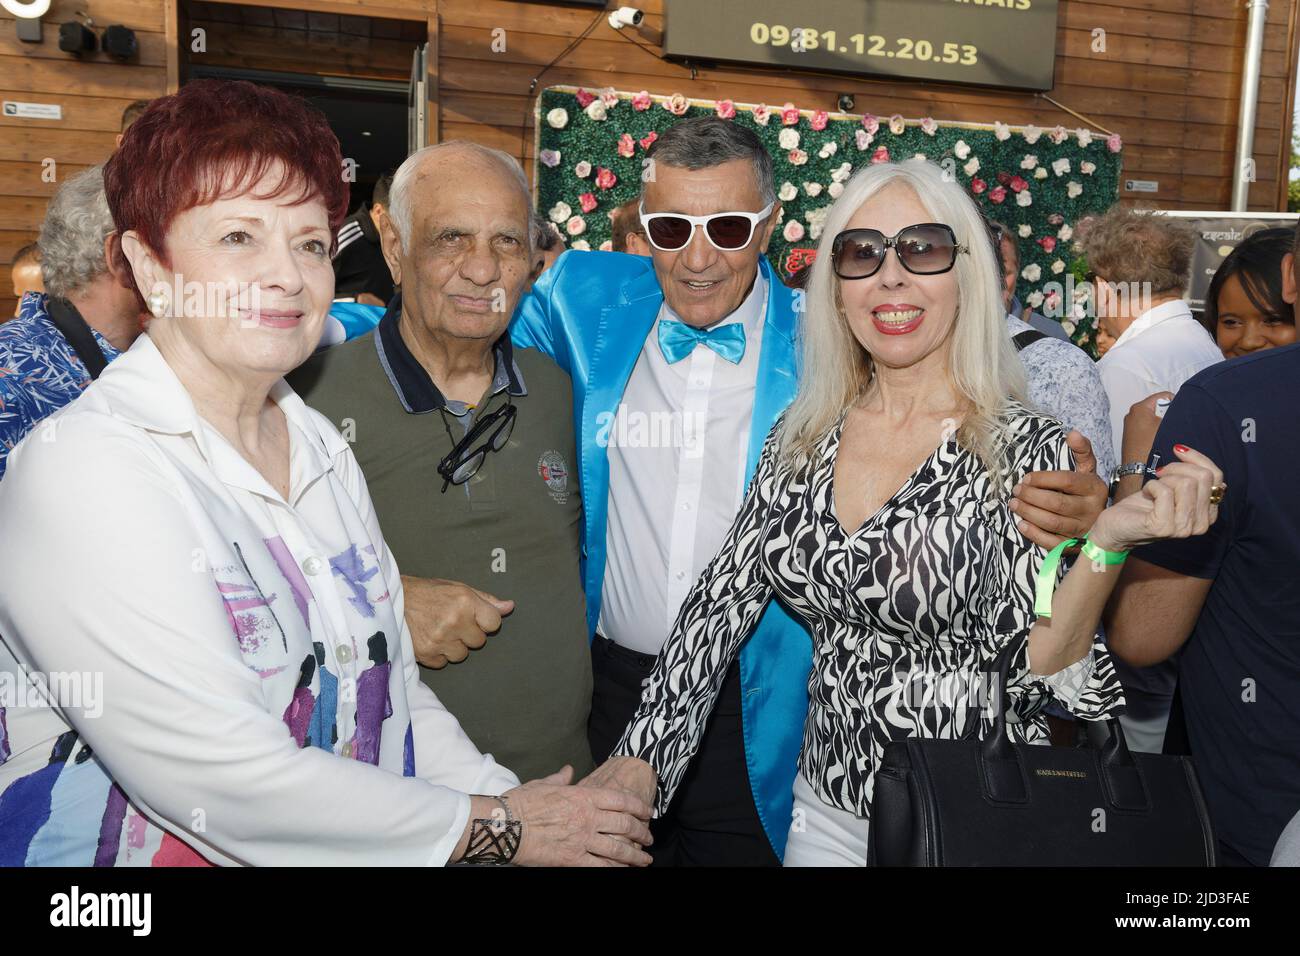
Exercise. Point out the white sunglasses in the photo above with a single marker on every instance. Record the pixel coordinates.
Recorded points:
(728, 231)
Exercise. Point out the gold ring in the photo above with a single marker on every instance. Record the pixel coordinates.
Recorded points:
(1217, 492)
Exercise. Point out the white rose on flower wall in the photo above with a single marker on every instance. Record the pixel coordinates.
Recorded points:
(581, 244)
(836, 190)
(1085, 137)
(1032, 272)
(1040, 173)
(788, 192)
(1087, 168)
(1029, 162)
(560, 212)
(558, 118)
(817, 220)
(961, 149)
(842, 172)
(1031, 134)
(596, 110)
(549, 157)
(973, 166)
(1002, 131)
(582, 170)
(1061, 166)
(1025, 230)
(788, 139)
(827, 151)
(1073, 189)
(1023, 198)
(812, 189)
(1035, 299)
(1058, 267)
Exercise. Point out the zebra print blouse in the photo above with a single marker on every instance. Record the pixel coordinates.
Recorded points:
(905, 613)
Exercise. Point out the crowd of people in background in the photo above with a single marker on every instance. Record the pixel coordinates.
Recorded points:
(417, 506)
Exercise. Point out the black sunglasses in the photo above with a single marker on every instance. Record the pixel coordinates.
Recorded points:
(490, 432)
(926, 249)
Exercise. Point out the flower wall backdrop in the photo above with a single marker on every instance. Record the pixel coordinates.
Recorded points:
(1040, 182)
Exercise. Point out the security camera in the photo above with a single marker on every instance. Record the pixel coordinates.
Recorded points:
(626, 17)
(846, 102)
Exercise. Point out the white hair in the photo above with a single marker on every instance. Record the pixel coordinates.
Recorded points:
(77, 222)
(836, 371)
(399, 200)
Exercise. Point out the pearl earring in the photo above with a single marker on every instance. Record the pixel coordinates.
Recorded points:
(157, 304)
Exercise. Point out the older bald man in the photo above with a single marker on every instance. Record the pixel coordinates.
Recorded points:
(467, 446)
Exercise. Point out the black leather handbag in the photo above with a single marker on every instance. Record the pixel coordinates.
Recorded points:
(991, 802)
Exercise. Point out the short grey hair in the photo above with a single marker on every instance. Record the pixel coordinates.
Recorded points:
(707, 141)
(77, 221)
(545, 238)
(399, 200)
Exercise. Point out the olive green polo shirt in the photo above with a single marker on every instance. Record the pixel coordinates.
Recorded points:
(512, 530)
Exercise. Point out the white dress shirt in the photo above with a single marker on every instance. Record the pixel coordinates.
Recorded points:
(261, 702)
(677, 453)
(1161, 349)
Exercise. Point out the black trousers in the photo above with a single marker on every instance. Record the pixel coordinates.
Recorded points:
(712, 820)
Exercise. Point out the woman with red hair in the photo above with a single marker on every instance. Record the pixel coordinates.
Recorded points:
(195, 581)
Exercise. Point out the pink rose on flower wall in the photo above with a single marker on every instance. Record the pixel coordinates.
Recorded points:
(861, 138)
(761, 115)
(609, 96)
(726, 109)
(587, 201)
(929, 126)
(870, 124)
(576, 226)
(1017, 184)
(604, 180)
(1114, 143)
(789, 115)
(649, 138)
(797, 157)
(793, 231)
(641, 101)
(881, 155)
(677, 104)
(819, 120)
(1048, 243)
(997, 194)
(626, 145)
(1004, 179)
(977, 186)
(1058, 135)
(584, 98)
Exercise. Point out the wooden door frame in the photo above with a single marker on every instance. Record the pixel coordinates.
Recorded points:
(417, 10)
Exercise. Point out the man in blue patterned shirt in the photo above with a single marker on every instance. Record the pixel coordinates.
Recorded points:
(40, 368)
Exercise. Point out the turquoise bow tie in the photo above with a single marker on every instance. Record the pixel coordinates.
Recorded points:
(678, 340)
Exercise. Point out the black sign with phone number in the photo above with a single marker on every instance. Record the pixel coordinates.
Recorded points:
(1007, 43)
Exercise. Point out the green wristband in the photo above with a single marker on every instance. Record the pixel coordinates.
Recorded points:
(1101, 555)
(1046, 583)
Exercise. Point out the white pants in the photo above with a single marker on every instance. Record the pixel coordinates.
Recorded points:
(822, 835)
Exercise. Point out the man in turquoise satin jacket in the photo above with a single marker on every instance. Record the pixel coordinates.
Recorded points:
(633, 350)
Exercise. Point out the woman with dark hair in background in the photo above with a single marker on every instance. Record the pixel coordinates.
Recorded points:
(1245, 304)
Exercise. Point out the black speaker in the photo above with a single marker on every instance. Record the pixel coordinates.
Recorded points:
(75, 38)
(120, 42)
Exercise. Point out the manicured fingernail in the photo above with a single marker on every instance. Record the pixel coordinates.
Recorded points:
(1181, 449)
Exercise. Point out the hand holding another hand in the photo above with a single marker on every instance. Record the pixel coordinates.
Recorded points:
(1174, 505)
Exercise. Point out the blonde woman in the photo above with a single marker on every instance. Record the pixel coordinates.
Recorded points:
(881, 514)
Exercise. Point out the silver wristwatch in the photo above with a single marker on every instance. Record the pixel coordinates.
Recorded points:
(1123, 471)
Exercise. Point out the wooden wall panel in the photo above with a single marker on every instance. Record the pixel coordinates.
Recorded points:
(92, 90)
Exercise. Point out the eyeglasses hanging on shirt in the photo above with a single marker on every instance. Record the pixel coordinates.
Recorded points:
(490, 432)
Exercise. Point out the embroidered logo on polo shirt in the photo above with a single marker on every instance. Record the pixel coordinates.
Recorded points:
(555, 472)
